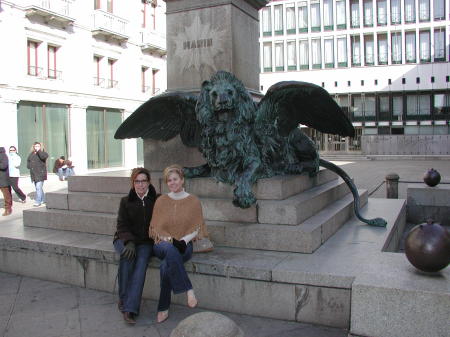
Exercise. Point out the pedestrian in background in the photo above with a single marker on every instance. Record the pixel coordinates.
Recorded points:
(14, 161)
(4, 182)
(36, 163)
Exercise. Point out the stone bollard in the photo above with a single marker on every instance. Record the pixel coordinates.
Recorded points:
(392, 186)
(207, 324)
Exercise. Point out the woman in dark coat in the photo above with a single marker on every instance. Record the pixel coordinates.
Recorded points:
(36, 163)
(4, 182)
(132, 243)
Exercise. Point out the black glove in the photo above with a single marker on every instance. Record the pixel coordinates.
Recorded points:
(180, 245)
(129, 251)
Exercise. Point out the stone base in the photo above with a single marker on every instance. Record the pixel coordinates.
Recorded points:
(426, 202)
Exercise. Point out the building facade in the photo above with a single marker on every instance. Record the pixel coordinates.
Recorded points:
(72, 71)
(386, 62)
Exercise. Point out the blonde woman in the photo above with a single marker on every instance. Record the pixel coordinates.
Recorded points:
(177, 220)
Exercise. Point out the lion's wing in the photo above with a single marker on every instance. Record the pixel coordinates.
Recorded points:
(163, 117)
(291, 103)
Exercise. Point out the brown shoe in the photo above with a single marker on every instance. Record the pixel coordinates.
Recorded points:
(129, 317)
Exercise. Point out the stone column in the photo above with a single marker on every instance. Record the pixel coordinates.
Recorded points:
(204, 37)
(8, 125)
(78, 140)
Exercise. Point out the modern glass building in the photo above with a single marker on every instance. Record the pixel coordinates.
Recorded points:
(72, 71)
(386, 62)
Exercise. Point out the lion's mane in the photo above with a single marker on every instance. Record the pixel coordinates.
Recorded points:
(227, 145)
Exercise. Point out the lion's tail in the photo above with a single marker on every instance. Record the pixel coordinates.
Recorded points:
(380, 222)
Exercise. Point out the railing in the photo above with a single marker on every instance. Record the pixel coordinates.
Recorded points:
(110, 22)
(35, 71)
(54, 74)
(61, 7)
(153, 38)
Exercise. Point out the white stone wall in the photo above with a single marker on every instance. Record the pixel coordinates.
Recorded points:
(76, 49)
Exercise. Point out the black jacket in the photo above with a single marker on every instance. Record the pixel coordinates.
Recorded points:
(36, 165)
(4, 171)
(134, 218)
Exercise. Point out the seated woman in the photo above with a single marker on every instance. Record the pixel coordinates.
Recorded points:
(177, 220)
(132, 243)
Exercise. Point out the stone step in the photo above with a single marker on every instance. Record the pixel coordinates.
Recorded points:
(78, 221)
(303, 238)
(296, 209)
(313, 288)
(278, 188)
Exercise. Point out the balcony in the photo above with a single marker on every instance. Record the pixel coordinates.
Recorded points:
(153, 42)
(109, 26)
(105, 83)
(49, 74)
(52, 11)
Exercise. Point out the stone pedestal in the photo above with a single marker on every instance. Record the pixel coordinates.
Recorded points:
(424, 202)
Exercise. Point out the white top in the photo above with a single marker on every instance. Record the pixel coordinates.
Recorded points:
(178, 195)
(14, 161)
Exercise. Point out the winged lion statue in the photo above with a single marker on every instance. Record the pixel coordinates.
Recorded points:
(242, 140)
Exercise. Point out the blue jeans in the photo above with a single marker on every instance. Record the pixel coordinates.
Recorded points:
(40, 197)
(173, 275)
(131, 275)
(64, 173)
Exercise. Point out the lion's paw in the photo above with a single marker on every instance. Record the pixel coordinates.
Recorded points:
(244, 200)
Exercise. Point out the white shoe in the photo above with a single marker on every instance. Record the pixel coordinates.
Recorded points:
(36, 205)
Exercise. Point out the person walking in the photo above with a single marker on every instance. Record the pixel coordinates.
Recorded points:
(4, 182)
(36, 163)
(132, 243)
(14, 161)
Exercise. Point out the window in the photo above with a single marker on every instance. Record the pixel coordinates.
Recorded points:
(291, 55)
(316, 54)
(381, 12)
(369, 105)
(140, 151)
(382, 49)
(278, 19)
(368, 13)
(328, 47)
(32, 59)
(290, 19)
(397, 106)
(303, 17)
(328, 14)
(439, 44)
(279, 56)
(410, 47)
(396, 12)
(51, 62)
(439, 9)
(342, 51)
(102, 149)
(424, 10)
(410, 11)
(355, 13)
(155, 90)
(267, 56)
(98, 81)
(441, 105)
(112, 83)
(357, 106)
(356, 50)
(303, 48)
(424, 45)
(109, 6)
(266, 21)
(97, 4)
(417, 105)
(369, 50)
(396, 42)
(47, 123)
(384, 107)
(144, 84)
(144, 14)
(145, 10)
(340, 14)
(315, 16)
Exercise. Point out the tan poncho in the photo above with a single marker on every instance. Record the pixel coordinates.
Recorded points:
(176, 218)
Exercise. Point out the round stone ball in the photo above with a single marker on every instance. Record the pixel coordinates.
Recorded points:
(207, 324)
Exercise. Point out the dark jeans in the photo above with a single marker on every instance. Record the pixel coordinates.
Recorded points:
(173, 275)
(14, 181)
(131, 276)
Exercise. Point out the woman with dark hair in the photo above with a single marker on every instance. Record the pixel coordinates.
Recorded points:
(36, 163)
(132, 243)
(14, 161)
(177, 220)
(4, 182)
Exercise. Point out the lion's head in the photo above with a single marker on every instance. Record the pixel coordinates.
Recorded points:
(223, 97)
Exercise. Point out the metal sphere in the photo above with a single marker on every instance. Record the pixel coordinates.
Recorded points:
(432, 177)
